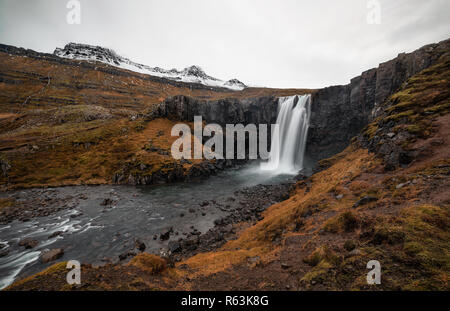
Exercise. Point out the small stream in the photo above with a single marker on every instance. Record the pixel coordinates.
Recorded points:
(97, 234)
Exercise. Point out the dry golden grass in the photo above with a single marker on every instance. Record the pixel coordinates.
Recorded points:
(149, 263)
(85, 153)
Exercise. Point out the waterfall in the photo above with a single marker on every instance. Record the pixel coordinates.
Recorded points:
(289, 136)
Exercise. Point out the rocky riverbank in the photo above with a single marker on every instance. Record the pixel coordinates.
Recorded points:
(245, 206)
(112, 224)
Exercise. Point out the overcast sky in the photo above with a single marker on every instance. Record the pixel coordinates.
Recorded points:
(274, 43)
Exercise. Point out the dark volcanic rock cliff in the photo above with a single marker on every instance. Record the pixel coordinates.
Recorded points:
(340, 112)
(261, 110)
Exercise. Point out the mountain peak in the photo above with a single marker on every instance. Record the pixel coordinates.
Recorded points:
(235, 83)
(194, 69)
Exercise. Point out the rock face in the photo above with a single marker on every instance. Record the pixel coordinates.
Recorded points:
(262, 110)
(338, 113)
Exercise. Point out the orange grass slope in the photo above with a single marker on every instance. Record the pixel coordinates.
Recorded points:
(88, 152)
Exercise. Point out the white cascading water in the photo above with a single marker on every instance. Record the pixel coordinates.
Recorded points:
(288, 145)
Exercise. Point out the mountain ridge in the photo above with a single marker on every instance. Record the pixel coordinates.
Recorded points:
(191, 74)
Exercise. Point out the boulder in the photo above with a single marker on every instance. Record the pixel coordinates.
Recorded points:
(51, 255)
(174, 246)
(139, 245)
(365, 200)
(55, 234)
(165, 234)
(106, 202)
(28, 243)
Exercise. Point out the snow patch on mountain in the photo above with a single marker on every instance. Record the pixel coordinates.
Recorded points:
(192, 74)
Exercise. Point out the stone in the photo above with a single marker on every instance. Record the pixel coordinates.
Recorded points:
(126, 255)
(55, 234)
(365, 200)
(350, 245)
(174, 246)
(76, 215)
(390, 135)
(139, 245)
(399, 186)
(106, 202)
(355, 252)
(28, 243)
(52, 255)
(165, 235)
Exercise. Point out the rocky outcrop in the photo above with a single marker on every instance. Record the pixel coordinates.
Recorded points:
(262, 110)
(412, 122)
(51, 255)
(338, 113)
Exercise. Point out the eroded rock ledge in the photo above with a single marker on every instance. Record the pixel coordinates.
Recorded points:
(262, 110)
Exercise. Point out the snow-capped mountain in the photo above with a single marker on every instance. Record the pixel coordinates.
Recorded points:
(192, 74)
(235, 84)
